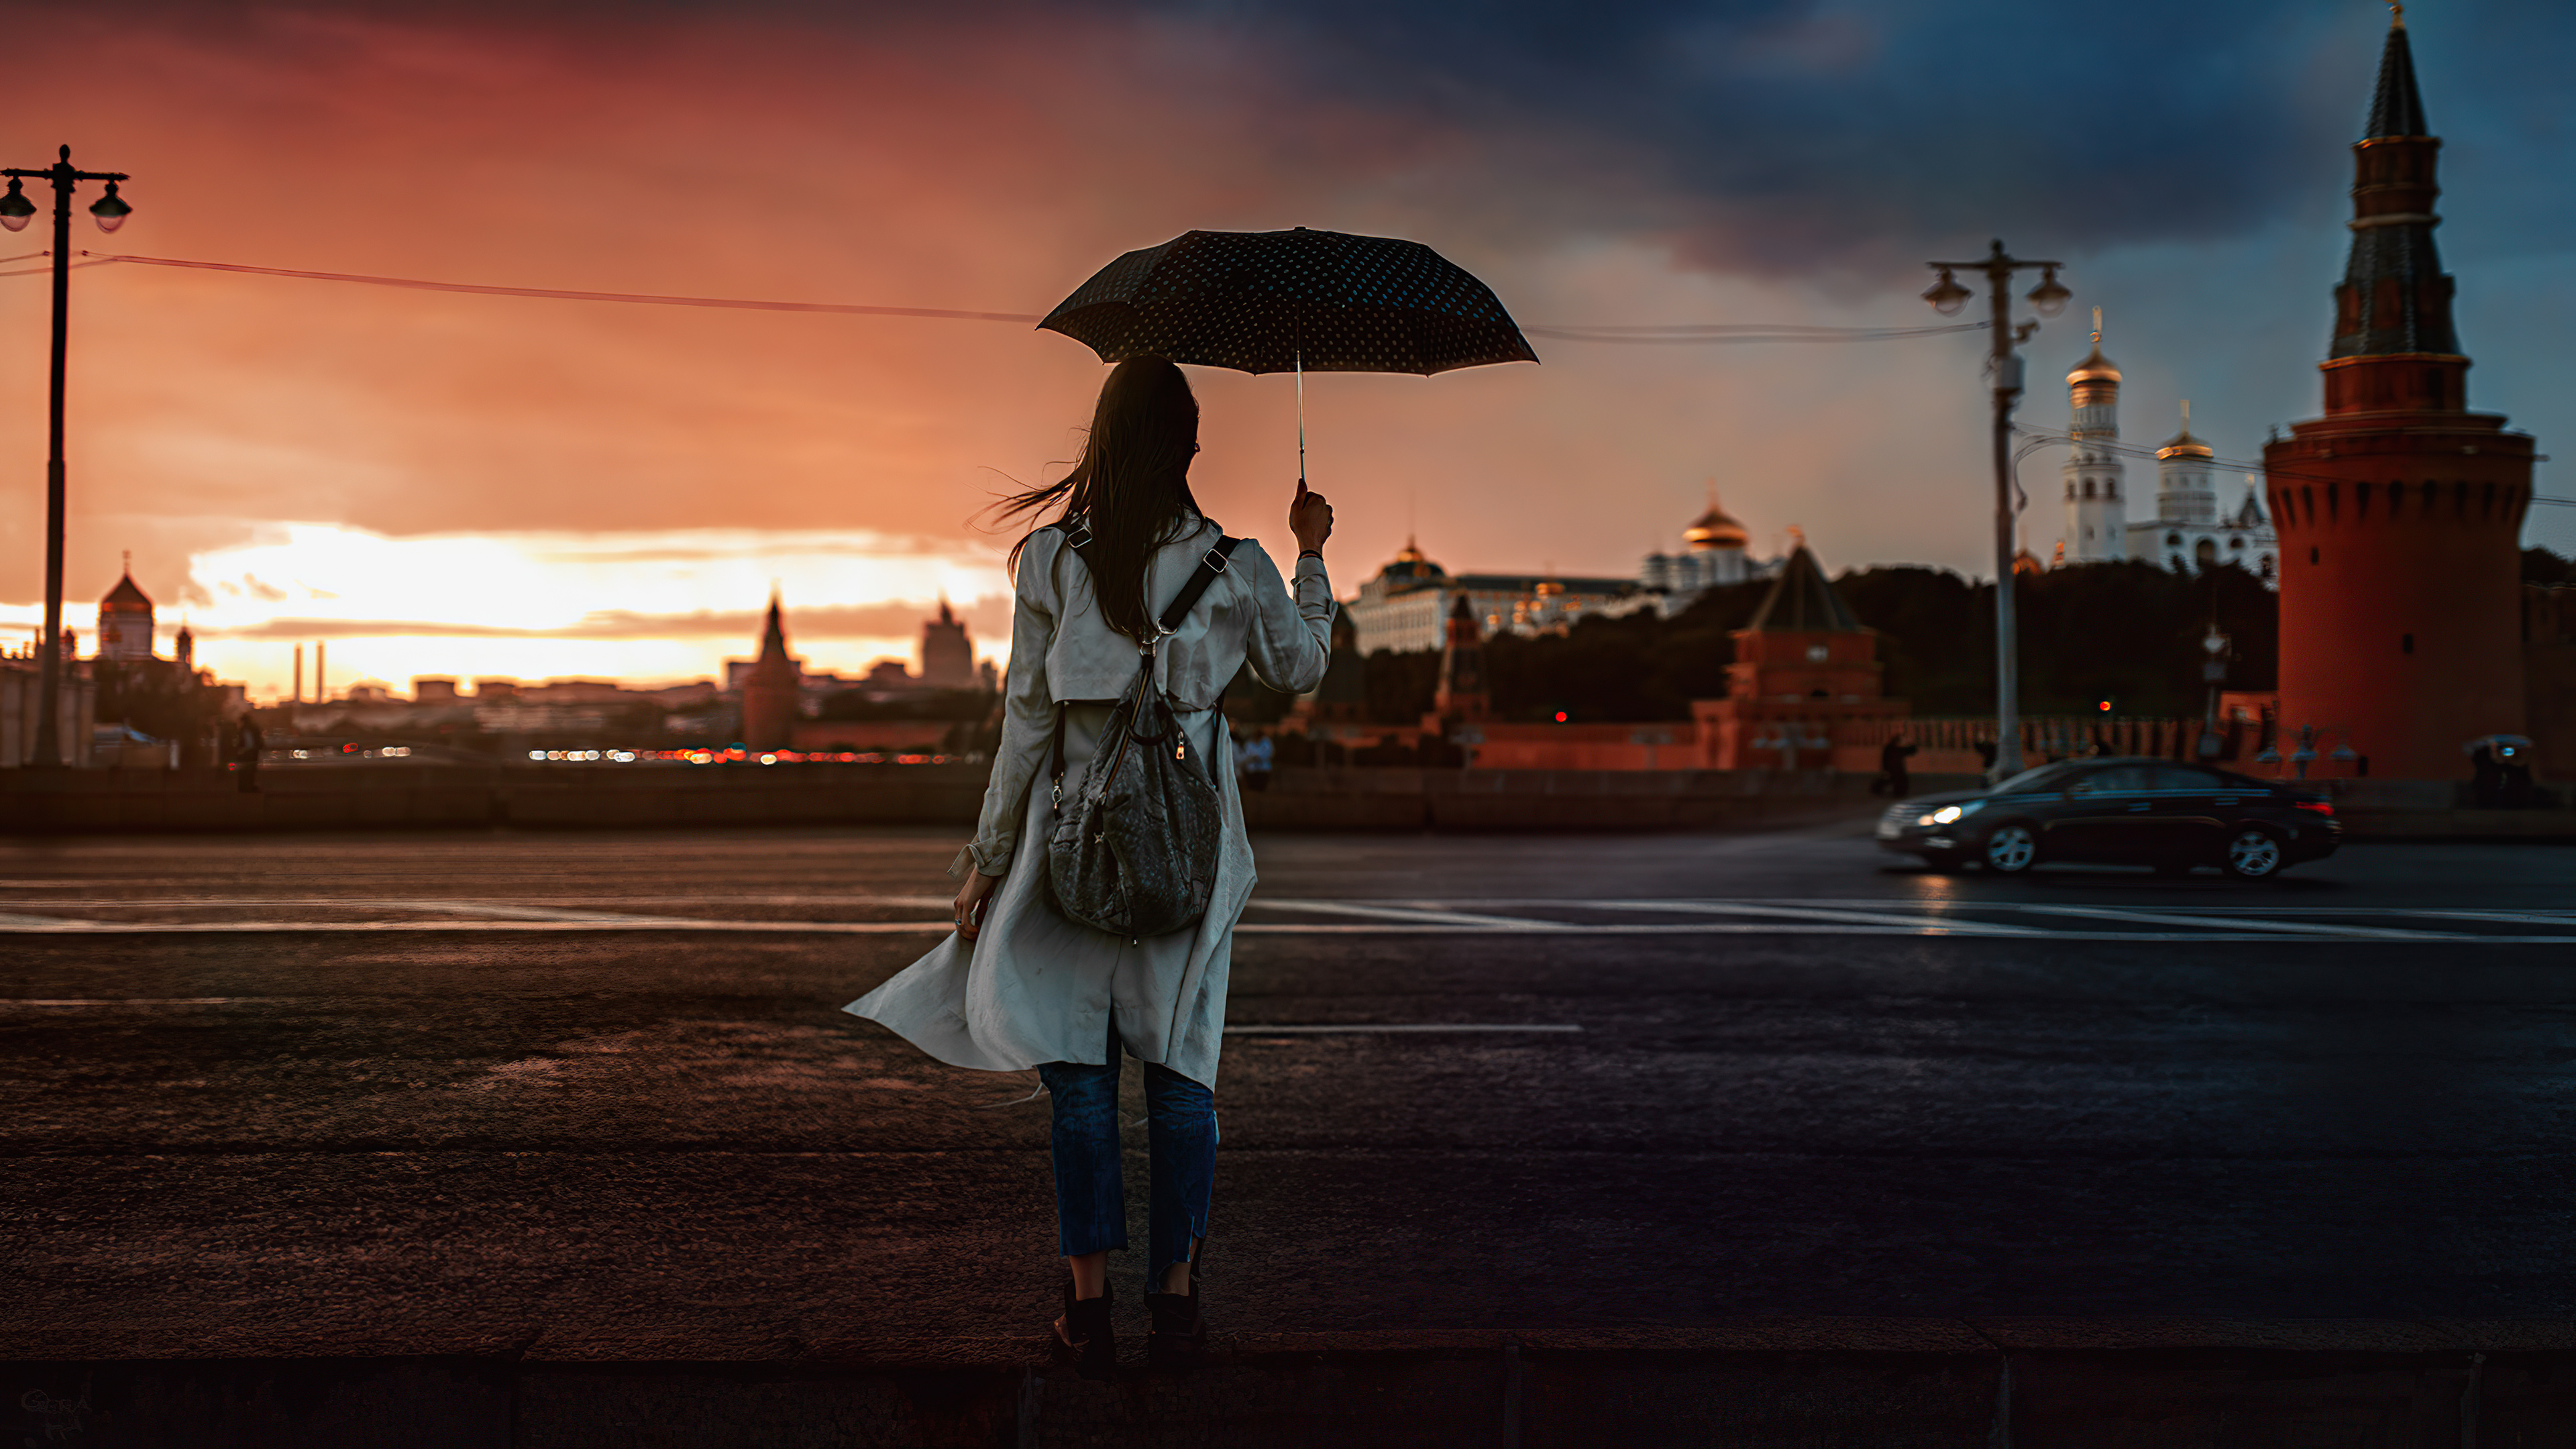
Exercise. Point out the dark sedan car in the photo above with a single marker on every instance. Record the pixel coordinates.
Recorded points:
(2124, 811)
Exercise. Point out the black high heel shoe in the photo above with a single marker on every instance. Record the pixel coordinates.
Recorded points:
(1178, 1343)
(1086, 1338)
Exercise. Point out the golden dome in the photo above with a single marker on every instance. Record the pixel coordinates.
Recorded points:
(2095, 368)
(2183, 444)
(1714, 529)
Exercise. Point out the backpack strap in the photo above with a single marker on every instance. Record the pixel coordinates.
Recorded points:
(1211, 564)
(1077, 536)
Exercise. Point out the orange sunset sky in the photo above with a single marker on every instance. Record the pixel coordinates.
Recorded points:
(460, 485)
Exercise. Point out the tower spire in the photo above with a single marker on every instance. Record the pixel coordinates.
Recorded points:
(2397, 107)
(2395, 302)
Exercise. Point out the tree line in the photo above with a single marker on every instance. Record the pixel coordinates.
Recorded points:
(2127, 632)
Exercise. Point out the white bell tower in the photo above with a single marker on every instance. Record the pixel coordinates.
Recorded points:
(2184, 493)
(2097, 513)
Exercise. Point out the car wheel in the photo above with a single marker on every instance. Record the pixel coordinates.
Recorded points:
(2252, 855)
(2010, 849)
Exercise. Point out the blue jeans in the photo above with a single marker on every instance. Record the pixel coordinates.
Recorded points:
(1090, 1191)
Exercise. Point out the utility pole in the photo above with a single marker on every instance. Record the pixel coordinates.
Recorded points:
(15, 211)
(2004, 363)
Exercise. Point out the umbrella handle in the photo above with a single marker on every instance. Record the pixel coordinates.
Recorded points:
(1301, 417)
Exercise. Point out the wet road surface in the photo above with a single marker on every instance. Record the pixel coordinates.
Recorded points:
(592, 1096)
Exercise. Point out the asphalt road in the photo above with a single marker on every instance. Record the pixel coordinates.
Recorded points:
(592, 1096)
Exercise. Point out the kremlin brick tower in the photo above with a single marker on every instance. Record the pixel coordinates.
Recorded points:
(769, 691)
(2399, 510)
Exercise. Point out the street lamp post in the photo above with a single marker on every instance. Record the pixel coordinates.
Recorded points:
(2048, 299)
(15, 212)
(2213, 672)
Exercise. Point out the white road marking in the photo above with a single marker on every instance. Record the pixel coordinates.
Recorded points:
(36, 926)
(1392, 1028)
(2240, 923)
(2511, 918)
(1356, 1028)
(1800, 917)
(918, 903)
(1420, 915)
(1915, 921)
(6, 1002)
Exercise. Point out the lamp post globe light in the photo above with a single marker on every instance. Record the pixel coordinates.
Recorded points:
(110, 212)
(2048, 299)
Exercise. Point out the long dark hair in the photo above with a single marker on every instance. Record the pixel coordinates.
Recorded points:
(1131, 485)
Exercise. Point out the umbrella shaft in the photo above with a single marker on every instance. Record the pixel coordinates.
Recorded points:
(1301, 416)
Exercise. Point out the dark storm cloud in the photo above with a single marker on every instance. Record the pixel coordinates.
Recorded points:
(1797, 136)
(1777, 135)
(1763, 136)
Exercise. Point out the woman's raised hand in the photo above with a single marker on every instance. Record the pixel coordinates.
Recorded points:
(1310, 518)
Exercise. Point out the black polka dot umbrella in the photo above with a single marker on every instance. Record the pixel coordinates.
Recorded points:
(1292, 301)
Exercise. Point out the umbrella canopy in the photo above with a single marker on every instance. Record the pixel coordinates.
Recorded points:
(1289, 301)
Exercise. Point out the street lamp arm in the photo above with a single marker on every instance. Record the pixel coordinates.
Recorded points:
(2033, 442)
(1992, 264)
(62, 173)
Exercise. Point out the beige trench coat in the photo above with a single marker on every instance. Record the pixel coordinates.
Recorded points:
(1033, 986)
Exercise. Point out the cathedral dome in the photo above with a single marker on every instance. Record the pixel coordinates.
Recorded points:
(126, 596)
(2183, 444)
(2095, 368)
(1409, 566)
(1714, 529)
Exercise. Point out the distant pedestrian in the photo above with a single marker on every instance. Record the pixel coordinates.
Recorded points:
(1891, 767)
(247, 744)
(1985, 757)
(1022, 985)
(2486, 780)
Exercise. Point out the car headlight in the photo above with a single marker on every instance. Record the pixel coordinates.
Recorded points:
(1952, 814)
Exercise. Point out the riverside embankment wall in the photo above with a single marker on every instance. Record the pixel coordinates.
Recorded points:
(360, 797)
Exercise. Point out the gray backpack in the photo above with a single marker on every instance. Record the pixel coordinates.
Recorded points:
(1134, 853)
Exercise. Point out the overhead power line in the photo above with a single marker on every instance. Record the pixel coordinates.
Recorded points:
(1702, 333)
(1694, 333)
(1720, 332)
(559, 294)
(2233, 465)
